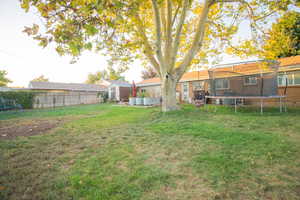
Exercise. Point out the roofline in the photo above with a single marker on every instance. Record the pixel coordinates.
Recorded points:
(120, 85)
(203, 79)
(148, 84)
(66, 89)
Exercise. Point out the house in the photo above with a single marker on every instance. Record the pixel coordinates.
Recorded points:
(245, 79)
(117, 90)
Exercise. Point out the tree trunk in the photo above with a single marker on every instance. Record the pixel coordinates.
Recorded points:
(168, 90)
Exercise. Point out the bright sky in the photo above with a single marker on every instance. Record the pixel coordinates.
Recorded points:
(24, 60)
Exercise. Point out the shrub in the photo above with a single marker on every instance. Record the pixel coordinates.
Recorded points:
(103, 95)
(24, 98)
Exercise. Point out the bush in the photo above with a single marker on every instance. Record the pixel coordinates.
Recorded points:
(24, 98)
(103, 95)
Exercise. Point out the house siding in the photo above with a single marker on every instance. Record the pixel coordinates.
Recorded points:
(153, 91)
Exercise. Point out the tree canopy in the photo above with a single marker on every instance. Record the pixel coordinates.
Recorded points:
(3, 79)
(284, 37)
(109, 74)
(172, 35)
(41, 78)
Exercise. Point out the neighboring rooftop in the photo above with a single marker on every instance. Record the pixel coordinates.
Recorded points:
(5, 89)
(288, 61)
(66, 86)
(118, 83)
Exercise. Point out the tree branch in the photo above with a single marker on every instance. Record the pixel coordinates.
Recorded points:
(163, 21)
(148, 49)
(175, 14)
(178, 33)
(198, 38)
(158, 35)
(168, 45)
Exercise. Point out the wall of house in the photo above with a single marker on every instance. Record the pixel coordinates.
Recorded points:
(153, 91)
(292, 93)
(55, 99)
(237, 87)
(124, 93)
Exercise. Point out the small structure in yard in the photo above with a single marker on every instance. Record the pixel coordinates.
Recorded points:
(117, 90)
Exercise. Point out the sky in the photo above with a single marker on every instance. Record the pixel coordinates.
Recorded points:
(24, 60)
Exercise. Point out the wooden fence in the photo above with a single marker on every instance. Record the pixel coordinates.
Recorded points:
(55, 99)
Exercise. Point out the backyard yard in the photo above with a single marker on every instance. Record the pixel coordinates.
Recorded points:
(111, 152)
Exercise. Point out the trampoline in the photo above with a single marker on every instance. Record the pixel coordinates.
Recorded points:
(282, 104)
(245, 83)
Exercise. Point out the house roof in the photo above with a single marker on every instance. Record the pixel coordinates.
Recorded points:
(232, 70)
(293, 60)
(5, 89)
(150, 81)
(66, 86)
(117, 83)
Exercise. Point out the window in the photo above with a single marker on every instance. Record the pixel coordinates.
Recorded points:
(297, 78)
(198, 85)
(250, 80)
(291, 78)
(282, 78)
(222, 84)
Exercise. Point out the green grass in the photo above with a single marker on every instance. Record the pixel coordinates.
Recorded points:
(110, 152)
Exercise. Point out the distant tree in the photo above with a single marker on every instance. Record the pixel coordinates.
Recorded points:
(284, 37)
(109, 73)
(149, 72)
(41, 78)
(3, 79)
(116, 74)
(97, 76)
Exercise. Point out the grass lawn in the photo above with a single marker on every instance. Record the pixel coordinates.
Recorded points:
(109, 152)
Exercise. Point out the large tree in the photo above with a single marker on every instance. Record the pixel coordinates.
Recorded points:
(41, 78)
(284, 37)
(172, 35)
(3, 79)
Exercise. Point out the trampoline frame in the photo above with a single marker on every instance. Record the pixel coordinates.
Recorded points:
(280, 98)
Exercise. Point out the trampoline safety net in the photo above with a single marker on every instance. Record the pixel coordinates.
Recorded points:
(248, 79)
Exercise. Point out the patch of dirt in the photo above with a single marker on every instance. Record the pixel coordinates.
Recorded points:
(11, 130)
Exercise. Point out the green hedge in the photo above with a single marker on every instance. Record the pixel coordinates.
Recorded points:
(24, 98)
